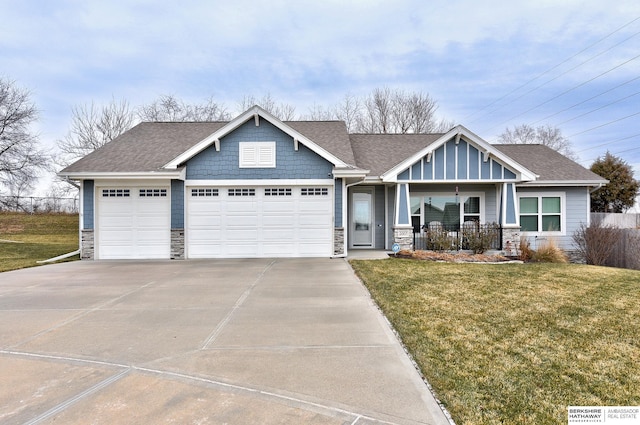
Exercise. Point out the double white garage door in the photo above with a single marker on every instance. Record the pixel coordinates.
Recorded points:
(220, 222)
(259, 222)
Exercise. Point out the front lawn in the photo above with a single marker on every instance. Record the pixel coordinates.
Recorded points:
(28, 238)
(515, 343)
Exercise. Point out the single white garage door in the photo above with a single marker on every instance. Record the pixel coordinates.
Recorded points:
(133, 222)
(250, 222)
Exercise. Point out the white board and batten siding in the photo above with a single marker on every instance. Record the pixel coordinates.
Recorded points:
(133, 222)
(259, 221)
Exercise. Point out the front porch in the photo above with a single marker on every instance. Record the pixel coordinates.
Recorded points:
(443, 217)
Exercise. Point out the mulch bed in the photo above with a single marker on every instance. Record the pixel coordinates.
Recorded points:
(451, 257)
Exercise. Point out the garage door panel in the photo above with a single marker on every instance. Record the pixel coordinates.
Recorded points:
(204, 235)
(240, 250)
(285, 220)
(313, 220)
(242, 221)
(241, 235)
(271, 235)
(278, 206)
(239, 205)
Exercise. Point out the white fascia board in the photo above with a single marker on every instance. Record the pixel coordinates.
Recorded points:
(178, 174)
(456, 132)
(349, 172)
(570, 183)
(240, 120)
(260, 182)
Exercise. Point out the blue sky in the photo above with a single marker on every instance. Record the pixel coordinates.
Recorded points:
(574, 64)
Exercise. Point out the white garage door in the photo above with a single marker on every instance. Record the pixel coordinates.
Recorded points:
(249, 222)
(133, 223)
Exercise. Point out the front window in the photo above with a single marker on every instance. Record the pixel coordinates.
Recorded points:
(540, 213)
(448, 211)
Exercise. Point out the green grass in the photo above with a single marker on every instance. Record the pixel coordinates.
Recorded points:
(26, 239)
(515, 343)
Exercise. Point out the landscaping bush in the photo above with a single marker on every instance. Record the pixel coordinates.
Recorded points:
(594, 243)
(438, 239)
(479, 239)
(525, 251)
(549, 252)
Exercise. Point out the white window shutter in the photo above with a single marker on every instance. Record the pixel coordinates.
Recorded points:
(257, 154)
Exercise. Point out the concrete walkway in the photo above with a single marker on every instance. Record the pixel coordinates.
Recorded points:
(287, 341)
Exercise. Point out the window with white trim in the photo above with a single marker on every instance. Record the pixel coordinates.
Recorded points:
(115, 193)
(241, 192)
(257, 154)
(448, 210)
(204, 191)
(153, 193)
(279, 191)
(542, 213)
(314, 191)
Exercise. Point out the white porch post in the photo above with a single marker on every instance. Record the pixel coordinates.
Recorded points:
(402, 228)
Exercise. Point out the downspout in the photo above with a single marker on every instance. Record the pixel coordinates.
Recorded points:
(67, 180)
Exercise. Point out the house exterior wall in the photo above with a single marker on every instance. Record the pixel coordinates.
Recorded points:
(290, 164)
(87, 238)
(177, 220)
(88, 208)
(379, 217)
(576, 212)
(391, 205)
(338, 221)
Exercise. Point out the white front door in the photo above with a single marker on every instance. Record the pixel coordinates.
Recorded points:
(361, 224)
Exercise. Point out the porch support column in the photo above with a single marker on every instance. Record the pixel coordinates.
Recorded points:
(509, 220)
(402, 229)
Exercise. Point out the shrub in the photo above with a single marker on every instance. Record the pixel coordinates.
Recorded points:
(526, 253)
(479, 239)
(438, 239)
(549, 252)
(594, 243)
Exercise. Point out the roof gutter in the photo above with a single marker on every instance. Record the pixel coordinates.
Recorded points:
(141, 175)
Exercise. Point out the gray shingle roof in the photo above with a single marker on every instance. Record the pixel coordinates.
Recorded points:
(330, 135)
(146, 147)
(149, 146)
(381, 152)
(547, 163)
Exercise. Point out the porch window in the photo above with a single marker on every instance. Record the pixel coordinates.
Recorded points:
(541, 213)
(446, 210)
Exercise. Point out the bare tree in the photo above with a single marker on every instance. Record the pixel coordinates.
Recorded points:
(378, 109)
(541, 135)
(398, 111)
(167, 108)
(423, 114)
(319, 113)
(349, 111)
(21, 159)
(282, 111)
(92, 127)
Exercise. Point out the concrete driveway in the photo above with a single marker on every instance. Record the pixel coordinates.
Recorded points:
(287, 341)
